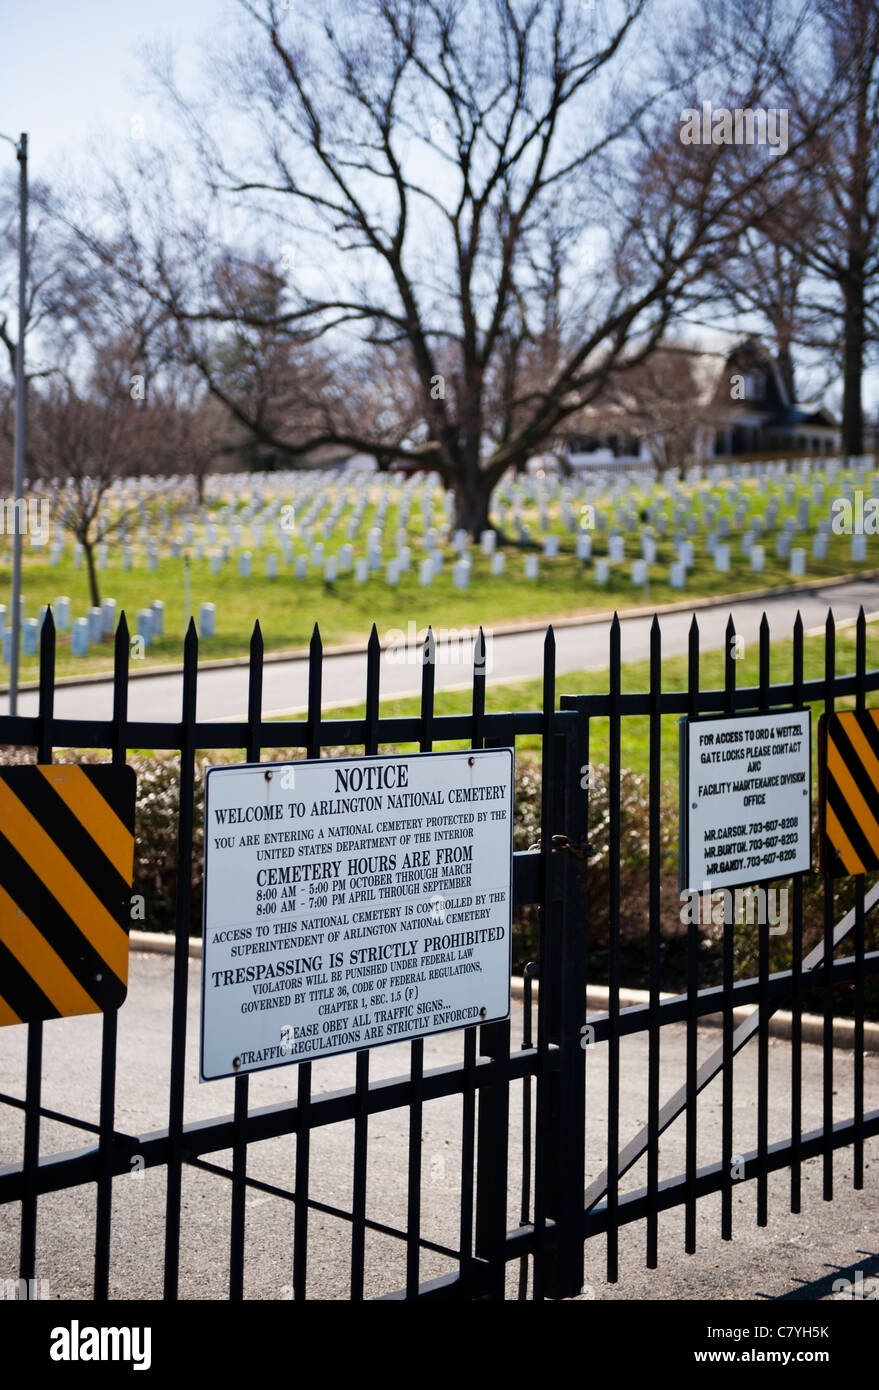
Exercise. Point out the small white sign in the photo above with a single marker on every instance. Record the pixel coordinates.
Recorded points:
(351, 902)
(747, 785)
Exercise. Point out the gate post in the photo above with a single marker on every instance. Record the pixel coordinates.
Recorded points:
(564, 997)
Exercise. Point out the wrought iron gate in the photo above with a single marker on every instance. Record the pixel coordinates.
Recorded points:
(528, 1201)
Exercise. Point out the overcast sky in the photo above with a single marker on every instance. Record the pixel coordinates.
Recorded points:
(72, 70)
(74, 76)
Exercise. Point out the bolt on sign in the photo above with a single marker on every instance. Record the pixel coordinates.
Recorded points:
(745, 798)
(352, 902)
(848, 780)
(66, 868)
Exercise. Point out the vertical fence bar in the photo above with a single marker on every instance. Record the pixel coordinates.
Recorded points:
(468, 1116)
(541, 1154)
(858, 1079)
(796, 1079)
(613, 954)
(527, 1044)
(829, 680)
(242, 1083)
(361, 1065)
(181, 966)
(655, 869)
(303, 1084)
(763, 996)
(34, 1063)
(729, 929)
(692, 990)
(567, 996)
(416, 1049)
(493, 1118)
(110, 1020)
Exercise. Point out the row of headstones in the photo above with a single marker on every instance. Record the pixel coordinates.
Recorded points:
(628, 517)
(99, 622)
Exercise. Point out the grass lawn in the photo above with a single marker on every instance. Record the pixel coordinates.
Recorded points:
(527, 695)
(287, 608)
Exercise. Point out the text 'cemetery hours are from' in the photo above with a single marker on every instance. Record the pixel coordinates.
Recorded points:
(353, 902)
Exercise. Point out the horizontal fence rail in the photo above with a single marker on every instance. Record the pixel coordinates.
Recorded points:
(549, 1065)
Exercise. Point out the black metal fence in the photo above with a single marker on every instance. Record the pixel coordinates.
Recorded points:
(545, 1071)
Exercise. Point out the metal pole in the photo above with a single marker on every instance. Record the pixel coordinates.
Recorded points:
(20, 427)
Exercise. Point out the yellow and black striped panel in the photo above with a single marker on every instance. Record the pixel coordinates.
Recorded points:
(66, 868)
(850, 819)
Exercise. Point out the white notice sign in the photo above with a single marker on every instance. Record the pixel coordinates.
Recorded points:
(351, 902)
(748, 807)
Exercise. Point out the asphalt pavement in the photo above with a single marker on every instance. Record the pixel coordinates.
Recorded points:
(795, 1257)
(222, 691)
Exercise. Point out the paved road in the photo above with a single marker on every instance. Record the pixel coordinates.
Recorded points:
(796, 1257)
(222, 693)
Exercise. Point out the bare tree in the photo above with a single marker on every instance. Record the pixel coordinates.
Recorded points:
(84, 439)
(422, 160)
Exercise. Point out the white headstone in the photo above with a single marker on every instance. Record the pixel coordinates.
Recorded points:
(461, 574)
(685, 553)
(361, 570)
(271, 565)
(677, 575)
(616, 550)
(301, 566)
(244, 564)
(498, 563)
(144, 625)
(157, 608)
(859, 548)
(721, 558)
(639, 573)
(392, 572)
(425, 573)
(797, 561)
(30, 632)
(488, 541)
(584, 547)
(62, 613)
(602, 570)
(207, 620)
(819, 545)
(550, 546)
(79, 641)
(108, 608)
(531, 567)
(758, 558)
(330, 569)
(95, 622)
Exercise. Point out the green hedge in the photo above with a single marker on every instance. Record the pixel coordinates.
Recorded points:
(156, 873)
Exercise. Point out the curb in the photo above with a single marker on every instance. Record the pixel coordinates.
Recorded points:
(502, 630)
(780, 1024)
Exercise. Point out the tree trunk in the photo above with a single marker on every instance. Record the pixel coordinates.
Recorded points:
(472, 503)
(88, 547)
(853, 362)
(786, 369)
(853, 370)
